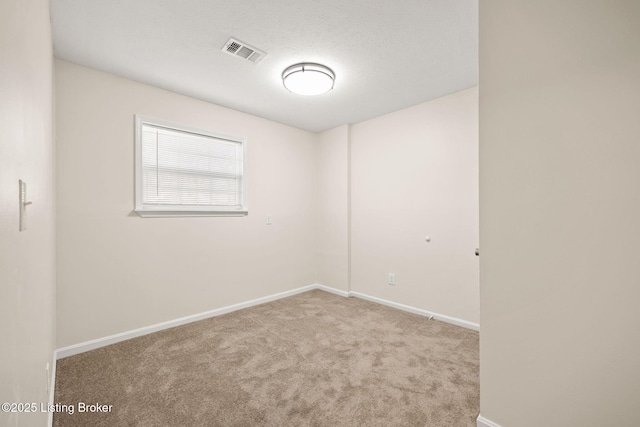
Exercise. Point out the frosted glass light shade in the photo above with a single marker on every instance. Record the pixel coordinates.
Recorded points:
(308, 79)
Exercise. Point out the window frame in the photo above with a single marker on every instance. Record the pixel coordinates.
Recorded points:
(184, 210)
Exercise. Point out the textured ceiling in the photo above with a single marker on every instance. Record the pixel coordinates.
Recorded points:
(387, 55)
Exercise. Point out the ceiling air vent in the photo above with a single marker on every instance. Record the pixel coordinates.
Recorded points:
(237, 48)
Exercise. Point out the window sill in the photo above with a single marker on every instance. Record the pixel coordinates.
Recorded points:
(170, 214)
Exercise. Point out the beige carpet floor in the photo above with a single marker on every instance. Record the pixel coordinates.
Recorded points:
(313, 359)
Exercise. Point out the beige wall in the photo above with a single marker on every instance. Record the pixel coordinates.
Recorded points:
(560, 212)
(157, 269)
(414, 173)
(117, 271)
(27, 272)
(333, 208)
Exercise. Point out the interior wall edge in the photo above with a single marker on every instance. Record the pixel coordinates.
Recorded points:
(52, 391)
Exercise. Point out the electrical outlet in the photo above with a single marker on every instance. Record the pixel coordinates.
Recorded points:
(268, 222)
(392, 279)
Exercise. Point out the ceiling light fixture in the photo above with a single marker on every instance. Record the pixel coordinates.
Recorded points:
(308, 78)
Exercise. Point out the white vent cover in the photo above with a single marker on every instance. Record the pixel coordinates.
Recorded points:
(237, 48)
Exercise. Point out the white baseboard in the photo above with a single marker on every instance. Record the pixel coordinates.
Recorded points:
(443, 318)
(332, 290)
(483, 422)
(123, 336)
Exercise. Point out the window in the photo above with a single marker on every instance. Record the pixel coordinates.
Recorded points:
(188, 172)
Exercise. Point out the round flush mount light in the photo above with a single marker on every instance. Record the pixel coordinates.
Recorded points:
(308, 78)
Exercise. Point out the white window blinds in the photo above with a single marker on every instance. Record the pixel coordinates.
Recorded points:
(189, 171)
